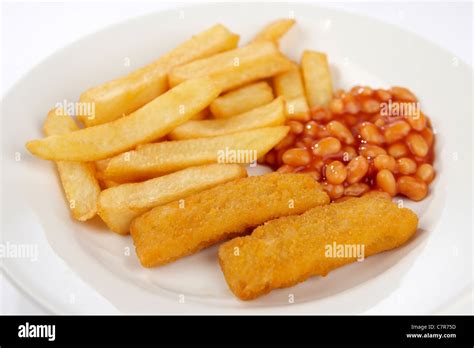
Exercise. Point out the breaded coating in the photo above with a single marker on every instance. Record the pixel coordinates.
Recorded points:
(291, 249)
(180, 228)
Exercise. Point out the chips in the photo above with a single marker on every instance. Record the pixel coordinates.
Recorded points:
(78, 180)
(123, 96)
(235, 68)
(119, 205)
(241, 100)
(274, 30)
(268, 115)
(149, 123)
(151, 160)
(290, 86)
(317, 78)
(202, 115)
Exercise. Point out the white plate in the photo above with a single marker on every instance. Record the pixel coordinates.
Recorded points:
(83, 268)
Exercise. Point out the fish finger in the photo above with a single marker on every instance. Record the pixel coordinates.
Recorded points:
(289, 250)
(180, 228)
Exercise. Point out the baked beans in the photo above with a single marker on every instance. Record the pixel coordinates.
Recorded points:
(296, 157)
(334, 191)
(425, 172)
(355, 147)
(340, 131)
(406, 166)
(357, 169)
(396, 131)
(385, 162)
(336, 172)
(326, 147)
(296, 127)
(417, 145)
(386, 181)
(398, 150)
(412, 187)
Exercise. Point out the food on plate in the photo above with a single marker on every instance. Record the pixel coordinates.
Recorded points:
(170, 162)
(202, 115)
(105, 184)
(241, 100)
(365, 140)
(235, 68)
(275, 30)
(151, 160)
(289, 250)
(78, 179)
(290, 86)
(152, 121)
(171, 231)
(124, 95)
(317, 78)
(268, 115)
(119, 205)
(102, 164)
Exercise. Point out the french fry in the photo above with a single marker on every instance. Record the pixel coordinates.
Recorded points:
(78, 179)
(102, 164)
(202, 115)
(105, 184)
(123, 96)
(290, 86)
(235, 68)
(317, 78)
(274, 30)
(119, 205)
(241, 100)
(151, 160)
(149, 123)
(272, 114)
(297, 109)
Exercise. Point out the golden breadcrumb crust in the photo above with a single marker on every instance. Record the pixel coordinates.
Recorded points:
(289, 250)
(180, 228)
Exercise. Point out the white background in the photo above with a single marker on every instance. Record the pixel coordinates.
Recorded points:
(32, 31)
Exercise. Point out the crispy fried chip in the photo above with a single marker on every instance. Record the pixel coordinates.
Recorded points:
(149, 123)
(241, 100)
(268, 115)
(317, 78)
(78, 179)
(290, 86)
(275, 30)
(151, 160)
(124, 95)
(235, 68)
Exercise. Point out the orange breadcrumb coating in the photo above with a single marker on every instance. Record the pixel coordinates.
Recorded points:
(180, 228)
(291, 249)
